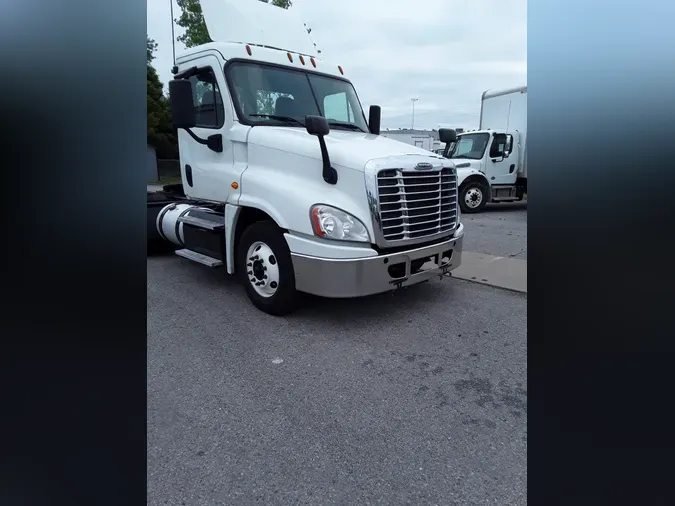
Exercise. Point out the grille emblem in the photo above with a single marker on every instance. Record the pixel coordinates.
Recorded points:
(423, 166)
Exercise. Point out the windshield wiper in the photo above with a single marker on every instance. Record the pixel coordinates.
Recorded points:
(348, 126)
(286, 119)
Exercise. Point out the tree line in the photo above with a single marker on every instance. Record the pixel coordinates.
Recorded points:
(161, 133)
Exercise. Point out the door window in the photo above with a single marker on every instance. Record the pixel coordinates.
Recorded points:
(336, 107)
(208, 101)
(497, 148)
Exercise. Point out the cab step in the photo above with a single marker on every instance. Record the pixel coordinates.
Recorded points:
(201, 223)
(199, 258)
(505, 199)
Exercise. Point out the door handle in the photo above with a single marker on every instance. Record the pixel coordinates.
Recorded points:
(188, 175)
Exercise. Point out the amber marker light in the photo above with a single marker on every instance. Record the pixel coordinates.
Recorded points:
(235, 185)
(248, 50)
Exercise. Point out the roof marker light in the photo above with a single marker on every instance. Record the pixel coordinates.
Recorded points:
(248, 50)
(340, 69)
(313, 62)
(290, 57)
(302, 59)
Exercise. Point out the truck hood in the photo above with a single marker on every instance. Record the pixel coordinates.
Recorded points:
(346, 149)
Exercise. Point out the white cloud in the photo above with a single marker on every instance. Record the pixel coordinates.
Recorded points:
(443, 52)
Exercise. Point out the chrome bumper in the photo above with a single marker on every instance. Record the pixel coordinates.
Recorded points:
(357, 277)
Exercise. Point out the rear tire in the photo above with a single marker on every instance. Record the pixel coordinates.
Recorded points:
(472, 197)
(264, 266)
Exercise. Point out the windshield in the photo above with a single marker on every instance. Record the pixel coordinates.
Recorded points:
(471, 146)
(269, 95)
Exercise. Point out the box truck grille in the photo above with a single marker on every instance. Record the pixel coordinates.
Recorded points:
(416, 204)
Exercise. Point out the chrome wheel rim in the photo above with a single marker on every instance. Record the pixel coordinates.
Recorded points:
(473, 198)
(262, 269)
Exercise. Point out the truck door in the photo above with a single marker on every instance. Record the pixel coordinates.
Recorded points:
(208, 174)
(500, 170)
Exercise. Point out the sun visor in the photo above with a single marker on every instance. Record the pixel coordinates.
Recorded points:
(256, 22)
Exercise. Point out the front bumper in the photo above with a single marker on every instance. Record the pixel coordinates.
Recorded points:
(357, 277)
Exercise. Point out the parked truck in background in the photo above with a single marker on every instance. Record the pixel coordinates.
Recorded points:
(491, 162)
(285, 184)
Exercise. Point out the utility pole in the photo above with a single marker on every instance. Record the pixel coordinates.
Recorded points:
(413, 100)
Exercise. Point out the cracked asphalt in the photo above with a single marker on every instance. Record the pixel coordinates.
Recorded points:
(412, 397)
(500, 230)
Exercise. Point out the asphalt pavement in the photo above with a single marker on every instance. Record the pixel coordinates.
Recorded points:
(412, 397)
(500, 229)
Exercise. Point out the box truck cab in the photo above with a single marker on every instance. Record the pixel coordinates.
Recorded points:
(491, 162)
(286, 183)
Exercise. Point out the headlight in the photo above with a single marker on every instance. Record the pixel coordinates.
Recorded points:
(332, 223)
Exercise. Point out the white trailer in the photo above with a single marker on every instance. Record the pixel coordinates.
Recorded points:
(491, 162)
(285, 183)
(418, 139)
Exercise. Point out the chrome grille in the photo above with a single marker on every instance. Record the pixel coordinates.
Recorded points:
(416, 204)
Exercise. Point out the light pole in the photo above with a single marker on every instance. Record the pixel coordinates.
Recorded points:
(413, 100)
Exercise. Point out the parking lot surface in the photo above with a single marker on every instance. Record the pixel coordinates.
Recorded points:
(412, 397)
(500, 229)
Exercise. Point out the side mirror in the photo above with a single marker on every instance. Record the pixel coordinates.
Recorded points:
(508, 146)
(447, 135)
(374, 116)
(317, 125)
(182, 105)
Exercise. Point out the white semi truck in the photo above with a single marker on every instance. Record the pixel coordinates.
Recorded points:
(491, 162)
(285, 184)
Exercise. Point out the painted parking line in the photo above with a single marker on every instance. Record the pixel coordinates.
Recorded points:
(502, 272)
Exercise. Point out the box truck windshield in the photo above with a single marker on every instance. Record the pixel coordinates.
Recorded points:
(272, 95)
(471, 146)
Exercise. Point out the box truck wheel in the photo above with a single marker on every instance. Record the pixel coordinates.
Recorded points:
(473, 195)
(264, 266)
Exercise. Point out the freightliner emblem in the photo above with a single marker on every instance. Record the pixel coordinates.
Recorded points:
(423, 166)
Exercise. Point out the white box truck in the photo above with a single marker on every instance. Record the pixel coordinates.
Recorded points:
(285, 184)
(491, 162)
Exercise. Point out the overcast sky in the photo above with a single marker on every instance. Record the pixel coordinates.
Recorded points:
(443, 52)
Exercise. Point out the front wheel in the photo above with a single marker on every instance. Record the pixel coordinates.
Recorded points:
(472, 197)
(265, 268)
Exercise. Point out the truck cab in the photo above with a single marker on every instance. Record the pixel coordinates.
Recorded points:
(488, 163)
(287, 185)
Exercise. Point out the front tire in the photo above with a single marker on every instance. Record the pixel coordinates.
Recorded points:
(472, 197)
(264, 266)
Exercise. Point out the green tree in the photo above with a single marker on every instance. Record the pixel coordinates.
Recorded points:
(152, 47)
(192, 20)
(160, 129)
